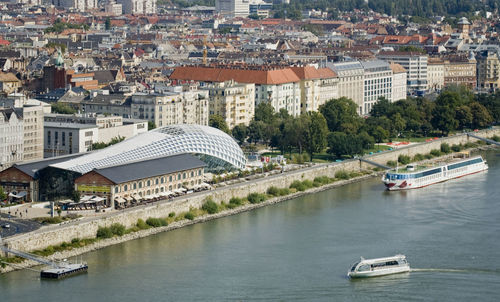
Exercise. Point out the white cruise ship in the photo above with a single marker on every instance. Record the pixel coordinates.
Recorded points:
(413, 176)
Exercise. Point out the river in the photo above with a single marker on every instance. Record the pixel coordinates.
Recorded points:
(300, 250)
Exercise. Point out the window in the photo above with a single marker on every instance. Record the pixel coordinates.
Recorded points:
(170, 178)
(184, 175)
(125, 188)
(149, 182)
(140, 184)
(156, 181)
(116, 189)
(135, 185)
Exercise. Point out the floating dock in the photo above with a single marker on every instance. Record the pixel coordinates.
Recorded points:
(57, 270)
(64, 271)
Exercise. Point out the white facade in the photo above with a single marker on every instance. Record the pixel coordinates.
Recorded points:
(138, 6)
(351, 81)
(415, 65)
(33, 132)
(235, 102)
(281, 96)
(328, 89)
(435, 75)
(113, 8)
(377, 83)
(399, 88)
(186, 107)
(233, 8)
(11, 137)
(68, 138)
(79, 5)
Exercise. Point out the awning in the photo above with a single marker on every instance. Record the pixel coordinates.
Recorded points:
(120, 200)
(137, 197)
(86, 197)
(205, 185)
(129, 198)
(98, 199)
(166, 193)
(18, 195)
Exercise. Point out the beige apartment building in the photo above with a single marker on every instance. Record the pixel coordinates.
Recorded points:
(435, 74)
(170, 108)
(235, 102)
(460, 70)
(351, 81)
(488, 70)
(33, 132)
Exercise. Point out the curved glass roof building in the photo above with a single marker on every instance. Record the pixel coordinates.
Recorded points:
(216, 148)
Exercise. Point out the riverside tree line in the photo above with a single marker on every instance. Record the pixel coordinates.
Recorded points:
(338, 129)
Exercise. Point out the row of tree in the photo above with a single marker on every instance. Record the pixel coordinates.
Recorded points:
(338, 126)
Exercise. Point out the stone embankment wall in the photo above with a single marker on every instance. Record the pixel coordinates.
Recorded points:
(86, 228)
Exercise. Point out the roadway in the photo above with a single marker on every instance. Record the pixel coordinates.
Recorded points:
(17, 226)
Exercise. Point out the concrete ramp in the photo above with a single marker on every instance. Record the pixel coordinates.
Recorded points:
(374, 163)
(490, 141)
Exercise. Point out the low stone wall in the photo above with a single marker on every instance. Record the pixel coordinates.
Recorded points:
(86, 228)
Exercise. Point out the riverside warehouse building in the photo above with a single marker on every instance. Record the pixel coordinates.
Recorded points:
(59, 178)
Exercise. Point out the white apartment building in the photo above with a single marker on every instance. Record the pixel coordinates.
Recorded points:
(235, 102)
(351, 81)
(377, 83)
(138, 6)
(233, 8)
(415, 65)
(113, 8)
(79, 5)
(33, 131)
(399, 90)
(170, 108)
(281, 96)
(109, 126)
(316, 86)
(435, 74)
(11, 137)
(68, 138)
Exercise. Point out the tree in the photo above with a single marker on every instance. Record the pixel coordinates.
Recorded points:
(264, 112)
(62, 108)
(380, 134)
(315, 134)
(151, 125)
(107, 23)
(341, 115)
(256, 131)
(480, 116)
(218, 122)
(340, 144)
(444, 119)
(399, 124)
(3, 196)
(76, 196)
(463, 115)
(239, 132)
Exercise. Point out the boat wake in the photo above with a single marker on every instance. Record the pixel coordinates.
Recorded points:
(451, 270)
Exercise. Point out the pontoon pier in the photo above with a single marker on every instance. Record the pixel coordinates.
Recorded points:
(57, 270)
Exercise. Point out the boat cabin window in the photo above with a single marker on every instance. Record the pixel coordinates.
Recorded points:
(354, 266)
(364, 267)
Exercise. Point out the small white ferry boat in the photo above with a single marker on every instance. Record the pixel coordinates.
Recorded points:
(366, 268)
(414, 176)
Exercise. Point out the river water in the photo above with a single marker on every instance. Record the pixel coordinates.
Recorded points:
(300, 250)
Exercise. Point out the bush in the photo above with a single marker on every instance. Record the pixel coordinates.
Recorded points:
(210, 206)
(323, 180)
(235, 201)
(496, 138)
(404, 159)
(142, 225)
(104, 232)
(256, 197)
(117, 229)
(273, 191)
(75, 241)
(445, 148)
(171, 214)
(435, 152)
(390, 163)
(418, 157)
(284, 191)
(189, 215)
(298, 185)
(307, 184)
(428, 156)
(156, 222)
(469, 145)
(456, 148)
(342, 174)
